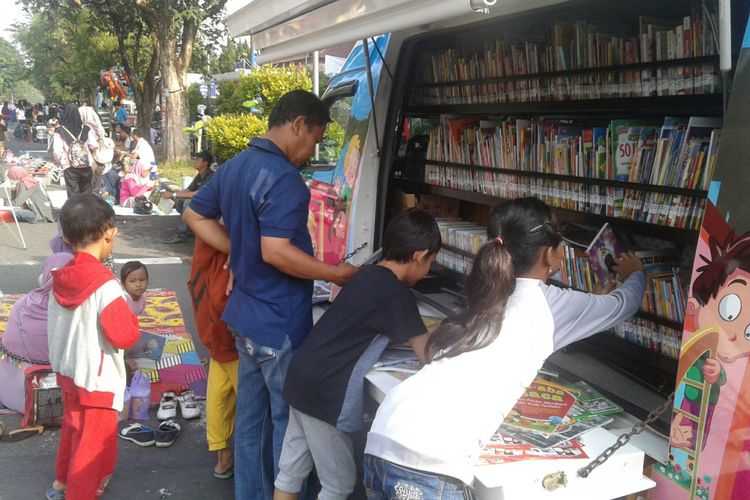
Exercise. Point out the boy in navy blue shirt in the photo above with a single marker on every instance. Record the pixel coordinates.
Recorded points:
(264, 203)
(325, 381)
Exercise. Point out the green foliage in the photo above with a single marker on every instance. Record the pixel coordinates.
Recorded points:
(330, 147)
(67, 54)
(264, 86)
(194, 98)
(230, 133)
(11, 68)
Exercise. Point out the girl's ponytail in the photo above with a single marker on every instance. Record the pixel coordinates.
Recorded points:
(490, 284)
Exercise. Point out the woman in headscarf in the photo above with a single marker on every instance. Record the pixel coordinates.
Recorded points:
(28, 194)
(24, 341)
(77, 179)
(136, 183)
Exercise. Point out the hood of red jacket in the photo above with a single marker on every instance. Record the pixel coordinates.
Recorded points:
(73, 284)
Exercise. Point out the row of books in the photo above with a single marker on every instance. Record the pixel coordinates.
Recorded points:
(681, 152)
(668, 81)
(579, 45)
(461, 234)
(654, 337)
(664, 209)
(454, 261)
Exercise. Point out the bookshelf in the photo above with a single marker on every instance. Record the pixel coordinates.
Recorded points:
(535, 67)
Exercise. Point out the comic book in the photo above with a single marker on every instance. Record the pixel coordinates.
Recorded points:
(602, 252)
(569, 428)
(591, 404)
(504, 448)
(543, 407)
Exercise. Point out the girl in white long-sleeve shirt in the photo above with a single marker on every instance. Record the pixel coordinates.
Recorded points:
(429, 430)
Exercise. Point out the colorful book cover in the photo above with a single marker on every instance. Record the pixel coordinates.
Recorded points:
(543, 407)
(600, 152)
(569, 429)
(625, 135)
(591, 403)
(602, 252)
(504, 448)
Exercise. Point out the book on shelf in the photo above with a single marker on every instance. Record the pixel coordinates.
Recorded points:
(602, 252)
(665, 296)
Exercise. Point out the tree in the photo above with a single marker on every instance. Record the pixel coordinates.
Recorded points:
(163, 33)
(11, 68)
(67, 54)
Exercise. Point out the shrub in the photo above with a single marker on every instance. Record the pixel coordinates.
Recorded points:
(229, 134)
(264, 86)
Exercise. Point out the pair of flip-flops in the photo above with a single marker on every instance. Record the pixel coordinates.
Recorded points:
(19, 434)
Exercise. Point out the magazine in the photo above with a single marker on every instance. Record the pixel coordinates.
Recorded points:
(568, 430)
(543, 407)
(504, 448)
(398, 360)
(602, 252)
(591, 403)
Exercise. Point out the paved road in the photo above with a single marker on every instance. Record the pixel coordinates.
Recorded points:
(182, 471)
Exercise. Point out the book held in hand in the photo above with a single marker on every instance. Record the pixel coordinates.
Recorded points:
(602, 252)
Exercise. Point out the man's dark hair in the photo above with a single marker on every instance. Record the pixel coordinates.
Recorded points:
(411, 231)
(85, 218)
(125, 128)
(299, 103)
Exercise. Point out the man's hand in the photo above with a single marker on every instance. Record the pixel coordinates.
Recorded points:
(711, 370)
(626, 265)
(168, 195)
(344, 272)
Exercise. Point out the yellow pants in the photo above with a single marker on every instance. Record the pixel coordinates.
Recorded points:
(221, 400)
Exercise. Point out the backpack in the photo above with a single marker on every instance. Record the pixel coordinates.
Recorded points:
(78, 154)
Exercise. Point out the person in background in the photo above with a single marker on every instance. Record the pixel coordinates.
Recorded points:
(325, 382)
(28, 194)
(121, 114)
(264, 203)
(136, 183)
(209, 278)
(203, 162)
(89, 324)
(78, 180)
(141, 150)
(506, 332)
(134, 279)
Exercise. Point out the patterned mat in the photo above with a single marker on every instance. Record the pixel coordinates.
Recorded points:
(165, 350)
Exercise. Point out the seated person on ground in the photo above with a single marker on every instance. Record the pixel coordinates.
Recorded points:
(30, 196)
(24, 341)
(135, 184)
(203, 162)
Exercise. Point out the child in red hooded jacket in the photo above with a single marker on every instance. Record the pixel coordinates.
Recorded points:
(89, 325)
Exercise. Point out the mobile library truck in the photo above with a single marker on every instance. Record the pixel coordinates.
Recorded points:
(632, 114)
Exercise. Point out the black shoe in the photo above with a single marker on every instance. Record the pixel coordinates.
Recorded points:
(138, 434)
(167, 433)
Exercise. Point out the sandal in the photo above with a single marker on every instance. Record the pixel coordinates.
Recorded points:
(20, 434)
(227, 474)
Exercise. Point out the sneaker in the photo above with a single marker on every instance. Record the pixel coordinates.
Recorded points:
(53, 494)
(167, 406)
(188, 405)
(138, 434)
(176, 239)
(167, 433)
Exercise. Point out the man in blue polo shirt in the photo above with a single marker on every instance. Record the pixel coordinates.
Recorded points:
(264, 203)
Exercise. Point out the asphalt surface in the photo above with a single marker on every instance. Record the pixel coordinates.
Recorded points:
(182, 471)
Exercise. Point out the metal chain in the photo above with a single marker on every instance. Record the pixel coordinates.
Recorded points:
(623, 439)
(353, 253)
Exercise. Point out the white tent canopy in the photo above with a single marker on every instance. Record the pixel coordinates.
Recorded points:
(285, 28)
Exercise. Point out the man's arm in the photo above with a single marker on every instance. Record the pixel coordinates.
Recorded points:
(287, 258)
(209, 230)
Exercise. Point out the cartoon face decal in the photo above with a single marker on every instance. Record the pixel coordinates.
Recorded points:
(730, 313)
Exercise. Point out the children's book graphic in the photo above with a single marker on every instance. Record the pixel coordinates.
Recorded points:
(543, 407)
(570, 428)
(591, 403)
(709, 456)
(602, 252)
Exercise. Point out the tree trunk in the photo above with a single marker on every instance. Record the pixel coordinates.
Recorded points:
(175, 139)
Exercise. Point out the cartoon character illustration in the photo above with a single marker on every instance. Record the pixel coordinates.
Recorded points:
(719, 291)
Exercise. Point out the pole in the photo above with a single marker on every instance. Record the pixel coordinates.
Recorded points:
(316, 89)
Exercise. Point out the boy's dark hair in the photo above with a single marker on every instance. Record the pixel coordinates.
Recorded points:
(299, 103)
(130, 267)
(84, 218)
(724, 260)
(125, 128)
(411, 231)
